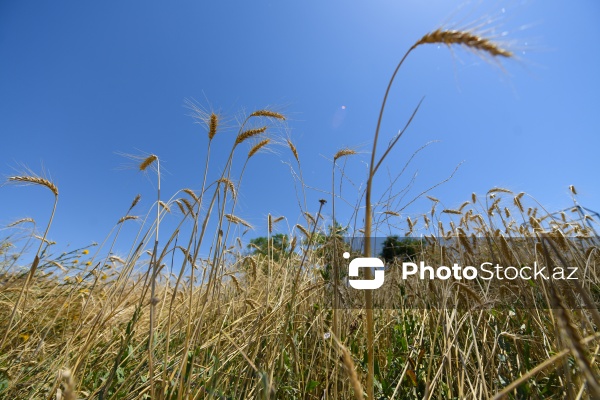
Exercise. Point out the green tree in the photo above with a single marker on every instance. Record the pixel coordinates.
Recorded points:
(278, 244)
(395, 247)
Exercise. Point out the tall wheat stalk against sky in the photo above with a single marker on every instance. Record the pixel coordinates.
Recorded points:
(31, 179)
(440, 36)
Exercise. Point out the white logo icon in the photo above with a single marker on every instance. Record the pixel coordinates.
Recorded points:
(365, 262)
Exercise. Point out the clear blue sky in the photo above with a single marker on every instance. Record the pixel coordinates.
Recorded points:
(80, 81)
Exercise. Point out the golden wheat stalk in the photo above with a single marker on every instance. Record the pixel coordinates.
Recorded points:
(191, 193)
(44, 240)
(180, 205)
(190, 208)
(147, 162)
(310, 217)
(303, 230)
(463, 205)
(116, 259)
(463, 38)
(21, 221)
(229, 185)
(268, 114)
(212, 126)
(343, 153)
(164, 205)
(517, 201)
(237, 220)
(258, 146)
(35, 180)
(127, 218)
(449, 211)
(248, 134)
(135, 201)
(293, 149)
(572, 189)
(499, 190)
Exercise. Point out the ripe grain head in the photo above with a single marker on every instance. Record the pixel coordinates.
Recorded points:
(147, 162)
(248, 134)
(464, 38)
(35, 180)
(268, 114)
(237, 220)
(258, 146)
(343, 153)
(293, 149)
(212, 126)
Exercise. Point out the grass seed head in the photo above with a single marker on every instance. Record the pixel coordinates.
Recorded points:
(147, 162)
(191, 193)
(499, 190)
(21, 221)
(127, 218)
(464, 38)
(248, 134)
(35, 180)
(448, 211)
(310, 217)
(258, 146)
(164, 205)
(343, 153)
(212, 126)
(135, 201)
(293, 149)
(303, 230)
(228, 185)
(268, 114)
(190, 208)
(237, 220)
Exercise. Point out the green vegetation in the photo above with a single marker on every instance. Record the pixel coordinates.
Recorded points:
(396, 249)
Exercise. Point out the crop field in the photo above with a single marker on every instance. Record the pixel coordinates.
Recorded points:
(195, 310)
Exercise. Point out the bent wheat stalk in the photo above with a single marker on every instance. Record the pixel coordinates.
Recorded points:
(33, 180)
(448, 37)
(154, 265)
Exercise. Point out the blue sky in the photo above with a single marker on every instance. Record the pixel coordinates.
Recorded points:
(82, 81)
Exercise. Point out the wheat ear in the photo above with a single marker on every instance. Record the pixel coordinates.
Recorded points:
(448, 37)
(463, 38)
(248, 134)
(268, 114)
(36, 180)
(258, 146)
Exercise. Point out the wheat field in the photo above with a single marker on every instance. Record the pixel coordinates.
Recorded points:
(197, 313)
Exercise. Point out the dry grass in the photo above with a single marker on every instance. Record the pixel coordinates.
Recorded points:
(93, 321)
